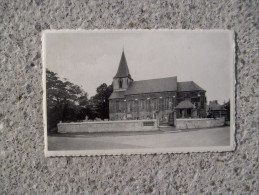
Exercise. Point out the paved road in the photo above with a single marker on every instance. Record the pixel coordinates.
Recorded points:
(158, 139)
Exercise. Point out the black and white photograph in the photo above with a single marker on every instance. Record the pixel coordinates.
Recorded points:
(112, 92)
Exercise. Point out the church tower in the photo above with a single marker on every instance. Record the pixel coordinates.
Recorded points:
(122, 79)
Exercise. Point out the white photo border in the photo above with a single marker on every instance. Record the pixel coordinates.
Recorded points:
(229, 148)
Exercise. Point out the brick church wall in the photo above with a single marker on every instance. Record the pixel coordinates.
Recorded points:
(143, 106)
(197, 98)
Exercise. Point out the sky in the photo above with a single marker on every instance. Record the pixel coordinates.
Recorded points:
(90, 58)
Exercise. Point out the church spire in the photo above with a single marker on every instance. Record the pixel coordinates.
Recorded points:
(123, 70)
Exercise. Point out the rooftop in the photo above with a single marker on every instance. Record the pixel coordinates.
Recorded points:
(117, 95)
(214, 105)
(185, 104)
(123, 70)
(152, 86)
(188, 86)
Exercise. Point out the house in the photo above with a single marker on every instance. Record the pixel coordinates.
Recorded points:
(154, 98)
(216, 110)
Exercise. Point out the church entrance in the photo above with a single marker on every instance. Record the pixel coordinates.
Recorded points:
(163, 121)
(166, 119)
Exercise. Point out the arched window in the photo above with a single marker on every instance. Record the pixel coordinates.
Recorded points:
(120, 83)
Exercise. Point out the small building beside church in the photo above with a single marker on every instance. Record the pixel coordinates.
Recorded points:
(216, 110)
(155, 98)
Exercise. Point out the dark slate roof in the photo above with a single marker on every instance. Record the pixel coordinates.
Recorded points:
(123, 70)
(188, 86)
(185, 104)
(152, 86)
(213, 105)
(117, 95)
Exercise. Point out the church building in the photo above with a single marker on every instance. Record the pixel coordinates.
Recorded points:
(155, 98)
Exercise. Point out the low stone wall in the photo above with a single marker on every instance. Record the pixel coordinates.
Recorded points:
(108, 126)
(199, 123)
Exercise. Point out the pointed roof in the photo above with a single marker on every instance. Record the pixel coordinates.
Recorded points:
(123, 70)
(185, 104)
(214, 105)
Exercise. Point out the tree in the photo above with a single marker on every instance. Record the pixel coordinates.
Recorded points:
(68, 102)
(100, 102)
(227, 107)
(65, 100)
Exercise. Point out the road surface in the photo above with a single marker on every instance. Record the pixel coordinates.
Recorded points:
(133, 140)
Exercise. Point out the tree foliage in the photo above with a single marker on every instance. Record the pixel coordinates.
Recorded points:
(67, 102)
(100, 102)
(227, 107)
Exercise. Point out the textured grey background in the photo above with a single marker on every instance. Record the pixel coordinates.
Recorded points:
(25, 170)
